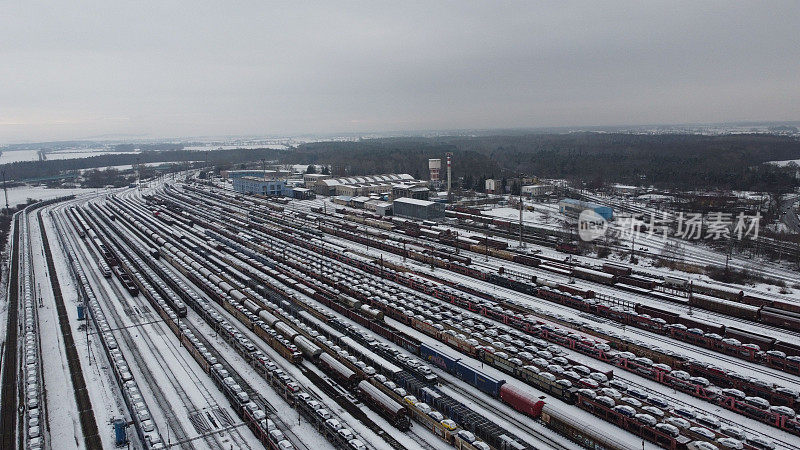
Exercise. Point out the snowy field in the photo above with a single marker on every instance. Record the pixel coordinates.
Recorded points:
(22, 193)
(33, 155)
(211, 147)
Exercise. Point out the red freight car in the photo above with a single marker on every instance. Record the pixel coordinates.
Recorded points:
(617, 269)
(703, 325)
(786, 306)
(638, 282)
(520, 400)
(781, 318)
(745, 337)
(668, 316)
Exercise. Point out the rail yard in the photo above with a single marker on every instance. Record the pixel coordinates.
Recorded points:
(188, 315)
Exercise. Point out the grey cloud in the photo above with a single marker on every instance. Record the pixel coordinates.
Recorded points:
(73, 69)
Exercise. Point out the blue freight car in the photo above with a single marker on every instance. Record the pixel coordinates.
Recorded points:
(437, 358)
(478, 379)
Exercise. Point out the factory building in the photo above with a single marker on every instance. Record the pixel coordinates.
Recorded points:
(234, 174)
(361, 185)
(302, 193)
(310, 179)
(412, 208)
(573, 208)
(410, 190)
(260, 186)
(383, 209)
(536, 190)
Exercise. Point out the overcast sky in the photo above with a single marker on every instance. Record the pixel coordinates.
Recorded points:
(192, 68)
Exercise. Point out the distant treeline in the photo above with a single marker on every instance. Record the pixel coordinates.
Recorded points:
(665, 161)
(38, 169)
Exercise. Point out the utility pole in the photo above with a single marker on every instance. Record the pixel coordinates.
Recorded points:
(521, 243)
(449, 176)
(633, 239)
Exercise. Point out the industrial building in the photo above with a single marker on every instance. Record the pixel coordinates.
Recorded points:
(573, 208)
(626, 190)
(413, 208)
(434, 166)
(383, 209)
(410, 190)
(494, 186)
(310, 179)
(302, 193)
(261, 186)
(234, 174)
(536, 190)
(360, 186)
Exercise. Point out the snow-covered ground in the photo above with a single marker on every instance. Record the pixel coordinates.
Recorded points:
(21, 194)
(212, 147)
(785, 162)
(33, 155)
(170, 367)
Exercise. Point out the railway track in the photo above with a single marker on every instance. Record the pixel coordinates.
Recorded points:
(569, 309)
(256, 341)
(175, 354)
(476, 260)
(789, 379)
(753, 432)
(328, 389)
(160, 397)
(632, 290)
(488, 406)
(334, 394)
(465, 277)
(212, 439)
(647, 299)
(89, 428)
(8, 418)
(312, 376)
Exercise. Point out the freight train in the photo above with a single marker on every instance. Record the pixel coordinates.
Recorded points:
(382, 271)
(785, 422)
(782, 355)
(569, 396)
(772, 312)
(265, 429)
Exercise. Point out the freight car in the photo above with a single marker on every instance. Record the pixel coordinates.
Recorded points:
(724, 306)
(395, 413)
(496, 388)
(781, 318)
(618, 270)
(126, 281)
(786, 306)
(594, 275)
(724, 292)
(338, 370)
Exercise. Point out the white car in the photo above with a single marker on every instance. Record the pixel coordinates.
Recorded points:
(728, 442)
(646, 419)
(355, 444)
(599, 377)
(704, 432)
(669, 429)
(678, 422)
